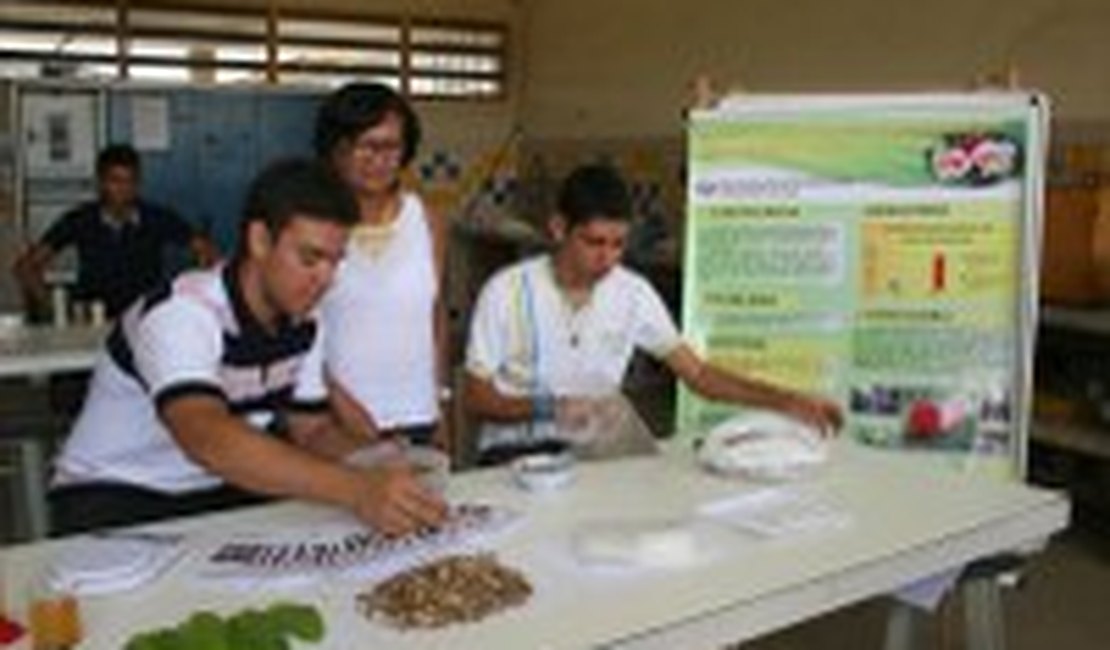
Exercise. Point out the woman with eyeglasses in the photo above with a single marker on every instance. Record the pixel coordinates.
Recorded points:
(385, 325)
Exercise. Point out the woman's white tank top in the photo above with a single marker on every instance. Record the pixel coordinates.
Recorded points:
(378, 320)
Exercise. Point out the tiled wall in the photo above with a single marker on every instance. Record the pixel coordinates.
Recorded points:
(482, 185)
(476, 184)
(652, 166)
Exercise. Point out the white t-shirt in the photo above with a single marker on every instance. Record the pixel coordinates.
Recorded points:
(379, 315)
(528, 339)
(196, 336)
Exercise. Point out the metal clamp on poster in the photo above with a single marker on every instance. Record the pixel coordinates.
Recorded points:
(877, 248)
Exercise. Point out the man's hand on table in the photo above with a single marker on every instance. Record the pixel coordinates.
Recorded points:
(394, 501)
(823, 414)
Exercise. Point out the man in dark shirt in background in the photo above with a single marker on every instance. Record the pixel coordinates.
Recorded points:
(120, 241)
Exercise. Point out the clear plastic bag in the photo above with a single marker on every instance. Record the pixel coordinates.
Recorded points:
(636, 543)
(430, 465)
(604, 427)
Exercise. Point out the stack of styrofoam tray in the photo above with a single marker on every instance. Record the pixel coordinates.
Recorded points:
(110, 563)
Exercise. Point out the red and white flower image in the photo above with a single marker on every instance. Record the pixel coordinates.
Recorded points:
(951, 164)
(974, 158)
(994, 158)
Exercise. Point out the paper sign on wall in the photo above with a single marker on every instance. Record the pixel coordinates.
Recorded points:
(150, 122)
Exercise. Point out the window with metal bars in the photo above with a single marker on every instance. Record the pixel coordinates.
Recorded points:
(460, 59)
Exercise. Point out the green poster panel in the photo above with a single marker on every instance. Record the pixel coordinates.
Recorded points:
(879, 249)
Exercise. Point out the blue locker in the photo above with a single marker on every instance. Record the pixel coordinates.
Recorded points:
(219, 139)
(226, 142)
(286, 124)
(168, 175)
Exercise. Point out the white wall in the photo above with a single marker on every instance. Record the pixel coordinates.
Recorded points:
(611, 68)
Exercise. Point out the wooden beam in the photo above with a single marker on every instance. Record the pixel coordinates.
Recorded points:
(272, 43)
(123, 39)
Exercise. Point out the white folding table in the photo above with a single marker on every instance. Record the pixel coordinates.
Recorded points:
(907, 522)
(44, 349)
(35, 352)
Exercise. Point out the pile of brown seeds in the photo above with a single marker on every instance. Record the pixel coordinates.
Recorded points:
(455, 589)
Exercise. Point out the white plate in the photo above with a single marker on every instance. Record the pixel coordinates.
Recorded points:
(763, 445)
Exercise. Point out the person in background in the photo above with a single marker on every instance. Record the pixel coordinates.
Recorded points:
(120, 241)
(387, 333)
(552, 333)
(211, 392)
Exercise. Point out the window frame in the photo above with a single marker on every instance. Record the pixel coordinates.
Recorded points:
(458, 70)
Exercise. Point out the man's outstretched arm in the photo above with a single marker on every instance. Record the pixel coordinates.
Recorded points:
(721, 385)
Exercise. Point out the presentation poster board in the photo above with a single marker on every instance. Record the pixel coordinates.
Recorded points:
(879, 249)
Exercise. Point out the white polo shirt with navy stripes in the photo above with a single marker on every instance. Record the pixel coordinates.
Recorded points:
(195, 336)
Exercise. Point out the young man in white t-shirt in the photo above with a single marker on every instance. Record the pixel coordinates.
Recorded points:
(211, 391)
(552, 333)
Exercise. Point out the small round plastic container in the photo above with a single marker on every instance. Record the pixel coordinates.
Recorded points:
(11, 324)
(544, 472)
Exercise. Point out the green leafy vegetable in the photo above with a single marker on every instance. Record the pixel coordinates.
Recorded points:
(300, 621)
(249, 629)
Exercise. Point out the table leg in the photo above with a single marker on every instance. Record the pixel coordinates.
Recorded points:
(902, 626)
(983, 613)
(34, 487)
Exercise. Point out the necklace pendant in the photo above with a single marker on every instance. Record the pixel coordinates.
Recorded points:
(573, 340)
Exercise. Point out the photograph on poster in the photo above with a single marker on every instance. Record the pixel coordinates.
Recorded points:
(930, 416)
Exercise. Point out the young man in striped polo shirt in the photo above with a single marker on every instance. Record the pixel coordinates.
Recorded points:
(211, 393)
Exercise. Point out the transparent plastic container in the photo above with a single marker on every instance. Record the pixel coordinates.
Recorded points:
(54, 617)
(432, 467)
(544, 472)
